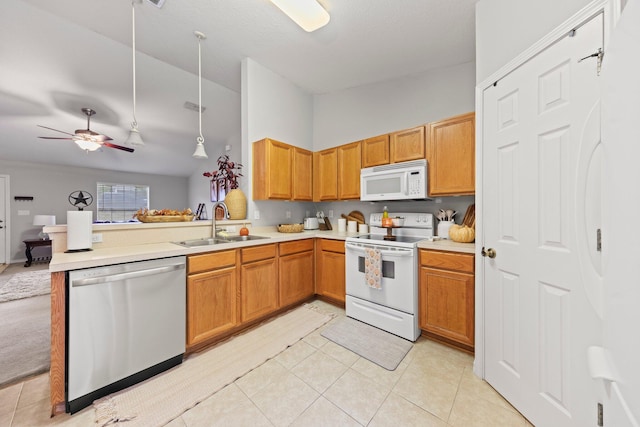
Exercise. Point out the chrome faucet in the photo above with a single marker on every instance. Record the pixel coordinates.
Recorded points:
(214, 229)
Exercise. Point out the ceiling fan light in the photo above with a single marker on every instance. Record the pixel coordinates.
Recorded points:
(200, 153)
(308, 14)
(87, 145)
(134, 137)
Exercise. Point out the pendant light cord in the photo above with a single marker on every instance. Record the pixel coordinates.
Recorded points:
(200, 139)
(133, 55)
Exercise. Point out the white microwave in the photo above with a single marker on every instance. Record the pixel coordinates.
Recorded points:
(396, 181)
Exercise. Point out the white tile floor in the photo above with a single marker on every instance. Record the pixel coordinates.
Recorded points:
(318, 383)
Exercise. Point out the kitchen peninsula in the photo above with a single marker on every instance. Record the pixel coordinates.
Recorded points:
(125, 243)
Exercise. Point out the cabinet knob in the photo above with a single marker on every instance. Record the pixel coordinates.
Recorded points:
(491, 253)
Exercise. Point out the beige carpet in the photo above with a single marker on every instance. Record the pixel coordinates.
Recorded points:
(163, 398)
(25, 338)
(25, 285)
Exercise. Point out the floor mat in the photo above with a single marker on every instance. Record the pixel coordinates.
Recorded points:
(376, 345)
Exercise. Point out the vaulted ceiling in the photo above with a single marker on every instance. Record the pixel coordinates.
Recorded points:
(60, 56)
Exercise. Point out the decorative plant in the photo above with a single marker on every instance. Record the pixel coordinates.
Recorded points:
(226, 177)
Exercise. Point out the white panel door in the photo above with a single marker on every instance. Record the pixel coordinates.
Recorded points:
(621, 137)
(4, 214)
(540, 195)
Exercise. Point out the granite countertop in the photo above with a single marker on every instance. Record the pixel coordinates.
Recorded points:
(132, 253)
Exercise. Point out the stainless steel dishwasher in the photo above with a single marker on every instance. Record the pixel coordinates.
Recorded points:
(126, 323)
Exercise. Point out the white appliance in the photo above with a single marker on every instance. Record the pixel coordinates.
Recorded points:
(126, 323)
(396, 181)
(311, 223)
(393, 307)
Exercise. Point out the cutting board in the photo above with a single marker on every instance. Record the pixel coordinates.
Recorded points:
(470, 216)
(354, 216)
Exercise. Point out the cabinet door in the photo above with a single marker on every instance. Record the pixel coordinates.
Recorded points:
(258, 289)
(375, 151)
(349, 161)
(407, 145)
(451, 156)
(272, 170)
(447, 305)
(302, 178)
(211, 304)
(330, 270)
(325, 175)
(296, 277)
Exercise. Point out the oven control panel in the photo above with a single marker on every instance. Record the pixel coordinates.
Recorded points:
(412, 219)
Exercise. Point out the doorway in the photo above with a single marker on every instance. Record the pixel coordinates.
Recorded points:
(541, 213)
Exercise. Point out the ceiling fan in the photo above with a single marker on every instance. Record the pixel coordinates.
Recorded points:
(86, 138)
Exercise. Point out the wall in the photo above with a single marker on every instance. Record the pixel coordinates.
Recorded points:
(506, 28)
(199, 187)
(51, 185)
(371, 110)
(275, 108)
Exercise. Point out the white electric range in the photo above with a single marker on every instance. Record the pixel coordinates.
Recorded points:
(394, 306)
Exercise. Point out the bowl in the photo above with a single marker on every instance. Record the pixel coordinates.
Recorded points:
(397, 221)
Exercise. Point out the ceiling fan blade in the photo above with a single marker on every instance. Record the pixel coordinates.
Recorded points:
(91, 135)
(55, 137)
(119, 147)
(56, 130)
(102, 138)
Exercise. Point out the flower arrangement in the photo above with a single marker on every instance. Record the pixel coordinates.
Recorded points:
(227, 174)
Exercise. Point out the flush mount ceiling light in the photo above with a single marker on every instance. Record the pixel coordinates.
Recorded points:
(134, 134)
(200, 153)
(308, 14)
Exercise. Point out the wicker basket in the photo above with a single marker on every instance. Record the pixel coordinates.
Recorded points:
(165, 218)
(290, 228)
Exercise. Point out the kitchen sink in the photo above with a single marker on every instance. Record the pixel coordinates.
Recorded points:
(218, 240)
(244, 238)
(201, 242)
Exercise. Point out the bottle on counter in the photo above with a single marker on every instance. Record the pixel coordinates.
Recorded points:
(386, 221)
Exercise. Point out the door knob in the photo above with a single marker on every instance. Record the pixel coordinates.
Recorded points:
(491, 253)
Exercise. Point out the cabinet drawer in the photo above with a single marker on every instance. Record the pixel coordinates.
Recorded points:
(256, 253)
(447, 260)
(331, 245)
(288, 248)
(210, 261)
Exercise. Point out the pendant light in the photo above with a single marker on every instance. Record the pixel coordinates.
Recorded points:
(200, 153)
(134, 135)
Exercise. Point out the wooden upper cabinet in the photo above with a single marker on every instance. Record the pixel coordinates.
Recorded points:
(451, 156)
(281, 171)
(325, 175)
(407, 145)
(272, 170)
(375, 151)
(349, 161)
(302, 178)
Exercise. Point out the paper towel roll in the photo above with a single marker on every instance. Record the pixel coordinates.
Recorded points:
(79, 230)
(352, 226)
(342, 224)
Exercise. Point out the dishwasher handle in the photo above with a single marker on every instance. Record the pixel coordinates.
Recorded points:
(126, 275)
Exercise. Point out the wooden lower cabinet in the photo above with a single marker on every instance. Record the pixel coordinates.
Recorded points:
(295, 271)
(258, 282)
(446, 297)
(330, 269)
(212, 284)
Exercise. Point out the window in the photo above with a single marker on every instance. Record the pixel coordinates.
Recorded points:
(120, 202)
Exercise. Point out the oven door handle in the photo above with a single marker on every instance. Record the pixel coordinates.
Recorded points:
(396, 252)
